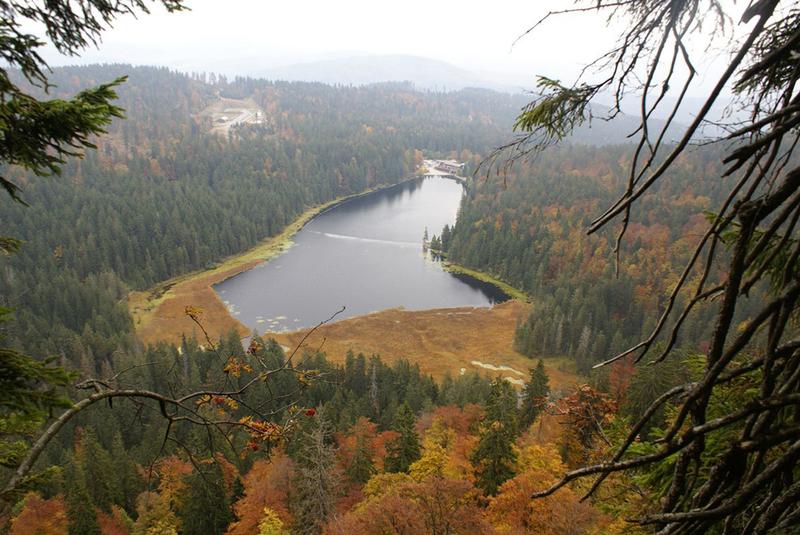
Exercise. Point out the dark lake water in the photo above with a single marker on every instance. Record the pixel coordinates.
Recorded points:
(366, 255)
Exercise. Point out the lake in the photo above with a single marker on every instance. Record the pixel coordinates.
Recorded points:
(364, 254)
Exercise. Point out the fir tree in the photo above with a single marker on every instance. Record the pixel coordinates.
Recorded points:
(494, 457)
(361, 468)
(129, 480)
(447, 234)
(206, 507)
(534, 395)
(405, 449)
(81, 515)
(100, 479)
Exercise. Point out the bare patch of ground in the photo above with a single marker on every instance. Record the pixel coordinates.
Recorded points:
(494, 368)
(227, 112)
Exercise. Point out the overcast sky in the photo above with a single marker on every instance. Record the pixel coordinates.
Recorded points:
(249, 36)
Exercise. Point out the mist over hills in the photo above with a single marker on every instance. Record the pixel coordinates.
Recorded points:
(419, 73)
(424, 73)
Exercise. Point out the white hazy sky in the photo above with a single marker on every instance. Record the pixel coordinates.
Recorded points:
(248, 36)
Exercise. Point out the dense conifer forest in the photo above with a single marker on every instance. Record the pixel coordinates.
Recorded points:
(315, 446)
(130, 193)
(162, 196)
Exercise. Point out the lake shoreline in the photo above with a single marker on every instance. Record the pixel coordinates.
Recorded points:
(158, 312)
(511, 291)
(301, 221)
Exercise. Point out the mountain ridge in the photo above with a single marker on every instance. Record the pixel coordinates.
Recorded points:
(424, 73)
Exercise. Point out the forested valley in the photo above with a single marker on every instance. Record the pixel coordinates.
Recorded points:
(529, 228)
(317, 446)
(162, 196)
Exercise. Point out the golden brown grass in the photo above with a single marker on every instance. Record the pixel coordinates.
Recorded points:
(439, 340)
(162, 317)
(158, 313)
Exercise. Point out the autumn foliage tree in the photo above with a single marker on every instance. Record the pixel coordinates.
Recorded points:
(433, 505)
(584, 415)
(38, 516)
(512, 510)
(271, 524)
(157, 512)
(266, 486)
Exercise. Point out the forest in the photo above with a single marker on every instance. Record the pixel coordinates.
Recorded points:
(654, 259)
(289, 441)
(528, 229)
(162, 195)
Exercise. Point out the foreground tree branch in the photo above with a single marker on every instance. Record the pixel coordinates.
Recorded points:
(724, 461)
(174, 409)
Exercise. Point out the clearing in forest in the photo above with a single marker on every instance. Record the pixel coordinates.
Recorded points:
(439, 340)
(227, 112)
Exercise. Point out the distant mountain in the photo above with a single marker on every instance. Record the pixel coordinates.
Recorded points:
(424, 73)
(431, 74)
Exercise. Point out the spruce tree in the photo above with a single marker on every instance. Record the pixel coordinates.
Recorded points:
(81, 514)
(206, 507)
(100, 479)
(129, 480)
(534, 395)
(361, 468)
(494, 457)
(447, 234)
(405, 449)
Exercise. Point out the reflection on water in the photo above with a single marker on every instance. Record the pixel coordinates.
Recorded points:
(366, 255)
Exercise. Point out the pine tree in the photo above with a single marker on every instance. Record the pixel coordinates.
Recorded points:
(405, 449)
(534, 395)
(494, 457)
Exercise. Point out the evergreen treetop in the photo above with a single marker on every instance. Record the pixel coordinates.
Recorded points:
(405, 449)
